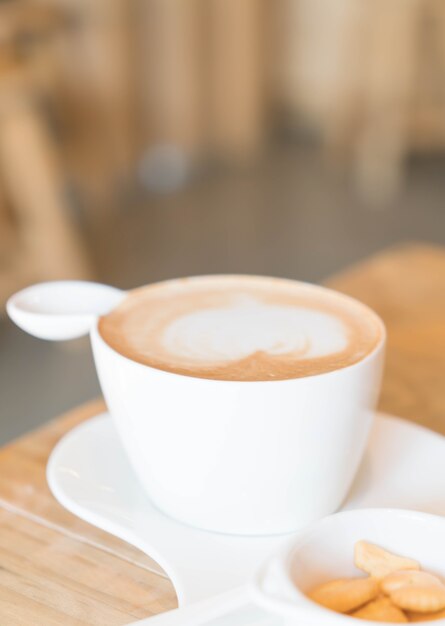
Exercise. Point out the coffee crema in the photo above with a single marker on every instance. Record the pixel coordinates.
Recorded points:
(244, 328)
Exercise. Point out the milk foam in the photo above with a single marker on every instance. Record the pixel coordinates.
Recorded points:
(247, 326)
(240, 328)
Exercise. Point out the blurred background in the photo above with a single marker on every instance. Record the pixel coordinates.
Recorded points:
(148, 139)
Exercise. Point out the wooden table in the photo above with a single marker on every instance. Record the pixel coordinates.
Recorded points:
(56, 569)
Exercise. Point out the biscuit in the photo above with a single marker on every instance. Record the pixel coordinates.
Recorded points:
(377, 562)
(345, 594)
(423, 617)
(420, 599)
(408, 578)
(381, 610)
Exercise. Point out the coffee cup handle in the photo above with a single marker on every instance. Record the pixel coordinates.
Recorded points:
(61, 310)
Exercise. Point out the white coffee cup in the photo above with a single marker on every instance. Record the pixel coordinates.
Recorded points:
(251, 457)
(256, 457)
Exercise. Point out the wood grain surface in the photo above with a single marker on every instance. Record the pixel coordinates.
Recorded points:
(406, 287)
(56, 569)
(48, 578)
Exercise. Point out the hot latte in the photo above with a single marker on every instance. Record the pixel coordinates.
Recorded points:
(243, 328)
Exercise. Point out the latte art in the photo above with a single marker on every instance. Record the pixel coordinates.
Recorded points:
(241, 328)
(248, 326)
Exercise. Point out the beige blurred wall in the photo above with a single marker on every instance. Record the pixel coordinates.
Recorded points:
(115, 93)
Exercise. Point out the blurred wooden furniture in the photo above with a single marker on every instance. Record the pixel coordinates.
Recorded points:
(200, 66)
(405, 285)
(56, 569)
(154, 86)
(236, 68)
(95, 97)
(369, 77)
(38, 232)
(151, 74)
(168, 70)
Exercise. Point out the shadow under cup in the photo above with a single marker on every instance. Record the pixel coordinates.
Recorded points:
(250, 457)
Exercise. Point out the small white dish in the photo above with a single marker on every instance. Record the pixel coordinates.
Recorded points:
(89, 474)
(325, 552)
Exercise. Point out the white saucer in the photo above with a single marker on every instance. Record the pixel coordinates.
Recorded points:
(89, 474)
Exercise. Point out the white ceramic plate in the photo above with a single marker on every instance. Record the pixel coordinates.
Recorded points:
(89, 474)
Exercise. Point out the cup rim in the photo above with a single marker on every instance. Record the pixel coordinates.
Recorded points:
(318, 288)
